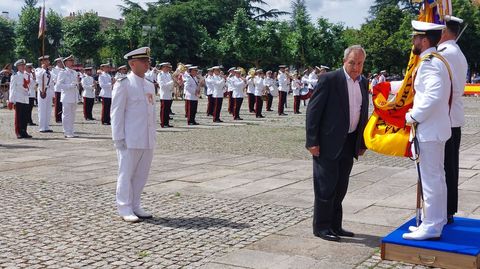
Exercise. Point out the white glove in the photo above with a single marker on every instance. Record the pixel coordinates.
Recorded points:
(409, 119)
(120, 144)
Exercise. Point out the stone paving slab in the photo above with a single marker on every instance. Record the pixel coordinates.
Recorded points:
(76, 225)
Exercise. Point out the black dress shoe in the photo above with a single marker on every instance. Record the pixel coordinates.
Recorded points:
(49, 131)
(32, 124)
(342, 232)
(450, 219)
(261, 116)
(282, 114)
(171, 113)
(170, 118)
(327, 234)
(218, 121)
(238, 118)
(269, 109)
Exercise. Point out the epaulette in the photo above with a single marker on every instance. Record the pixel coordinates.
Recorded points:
(149, 80)
(442, 50)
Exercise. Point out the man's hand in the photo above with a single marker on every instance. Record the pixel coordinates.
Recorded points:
(120, 144)
(315, 151)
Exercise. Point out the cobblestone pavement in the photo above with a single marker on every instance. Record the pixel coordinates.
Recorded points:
(231, 195)
(58, 225)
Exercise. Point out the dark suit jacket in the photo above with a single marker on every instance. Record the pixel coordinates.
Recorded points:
(328, 115)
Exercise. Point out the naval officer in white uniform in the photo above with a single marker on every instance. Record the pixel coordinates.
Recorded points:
(430, 112)
(45, 94)
(133, 133)
(67, 82)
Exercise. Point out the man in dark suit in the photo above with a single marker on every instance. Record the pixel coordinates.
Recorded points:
(336, 117)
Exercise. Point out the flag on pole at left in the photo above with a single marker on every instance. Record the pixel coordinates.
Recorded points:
(42, 25)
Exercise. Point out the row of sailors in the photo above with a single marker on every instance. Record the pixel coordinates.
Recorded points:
(61, 84)
(257, 86)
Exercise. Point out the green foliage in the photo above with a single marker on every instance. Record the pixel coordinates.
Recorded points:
(54, 33)
(469, 42)
(116, 45)
(7, 32)
(82, 36)
(28, 46)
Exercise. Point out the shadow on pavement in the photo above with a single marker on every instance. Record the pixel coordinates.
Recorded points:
(196, 223)
(19, 147)
(367, 240)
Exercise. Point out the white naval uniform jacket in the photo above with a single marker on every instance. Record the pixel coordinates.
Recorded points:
(88, 85)
(105, 82)
(67, 82)
(259, 86)
(296, 87)
(165, 82)
(229, 83)
(430, 105)
(208, 83)
(237, 87)
(218, 84)
(459, 66)
(43, 81)
(55, 71)
(133, 112)
(191, 85)
(283, 82)
(18, 93)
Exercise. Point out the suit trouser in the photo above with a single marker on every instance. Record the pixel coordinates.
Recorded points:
(258, 105)
(210, 105)
(251, 102)
(452, 157)
(330, 184)
(31, 104)
(133, 168)
(58, 107)
(282, 99)
(191, 106)
(217, 108)
(434, 187)
(296, 103)
(165, 106)
(237, 104)
(21, 118)
(88, 107)
(68, 118)
(44, 112)
(106, 104)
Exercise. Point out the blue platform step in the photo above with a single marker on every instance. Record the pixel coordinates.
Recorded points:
(459, 246)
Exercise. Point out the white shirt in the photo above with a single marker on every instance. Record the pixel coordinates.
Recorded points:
(237, 87)
(17, 92)
(67, 82)
(208, 83)
(190, 88)
(250, 84)
(31, 85)
(133, 112)
(229, 83)
(105, 82)
(165, 82)
(283, 82)
(296, 87)
(354, 101)
(88, 85)
(312, 80)
(430, 104)
(381, 79)
(259, 85)
(459, 67)
(218, 84)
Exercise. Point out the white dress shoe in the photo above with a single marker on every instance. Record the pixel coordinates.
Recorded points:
(130, 218)
(412, 228)
(142, 214)
(420, 234)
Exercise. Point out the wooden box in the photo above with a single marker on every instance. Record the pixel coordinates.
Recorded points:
(459, 246)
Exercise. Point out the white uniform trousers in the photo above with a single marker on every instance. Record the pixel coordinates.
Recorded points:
(434, 186)
(133, 168)
(44, 111)
(68, 118)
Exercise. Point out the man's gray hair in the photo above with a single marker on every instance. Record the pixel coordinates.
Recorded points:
(352, 48)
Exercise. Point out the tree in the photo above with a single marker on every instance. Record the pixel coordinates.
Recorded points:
(54, 33)
(302, 30)
(82, 36)
(28, 45)
(7, 32)
(469, 42)
(406, 5)
(116, 45)
(257, 13)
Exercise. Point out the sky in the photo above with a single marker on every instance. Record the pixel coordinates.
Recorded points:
(351, 13)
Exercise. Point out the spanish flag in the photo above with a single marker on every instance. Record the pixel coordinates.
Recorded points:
(42, 25)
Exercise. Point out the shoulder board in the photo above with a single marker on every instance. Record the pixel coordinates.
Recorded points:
(120, 79)
(149, 80)
(442, 50)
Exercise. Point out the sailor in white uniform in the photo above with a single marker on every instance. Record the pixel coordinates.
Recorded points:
(133, 134)
(67, 82)
(45, 94)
